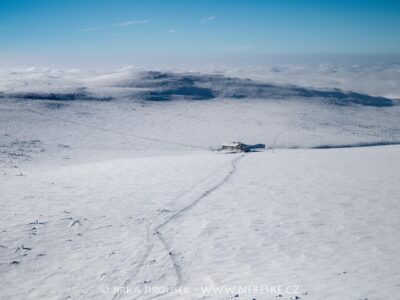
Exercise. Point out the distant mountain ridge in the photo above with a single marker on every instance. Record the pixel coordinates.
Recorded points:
(168, 86)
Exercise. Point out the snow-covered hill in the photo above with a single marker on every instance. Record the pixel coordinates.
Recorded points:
(110, 188)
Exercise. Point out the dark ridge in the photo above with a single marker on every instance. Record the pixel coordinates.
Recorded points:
(342, 98)
(79, 94)
(342, 146)
(170, 86)
(158, 80)
(356, 145)
(191, 92)
(199, 86)
(50, 96)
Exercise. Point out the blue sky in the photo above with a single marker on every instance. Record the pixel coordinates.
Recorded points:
(199, 27)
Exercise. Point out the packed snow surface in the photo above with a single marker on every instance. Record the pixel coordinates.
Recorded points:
(111, 188)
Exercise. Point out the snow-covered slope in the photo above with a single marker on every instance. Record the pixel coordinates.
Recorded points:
(321, 224)
(108, 192)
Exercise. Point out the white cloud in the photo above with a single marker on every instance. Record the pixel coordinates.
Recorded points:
(129, 23)
(208, 19)
(171, 31)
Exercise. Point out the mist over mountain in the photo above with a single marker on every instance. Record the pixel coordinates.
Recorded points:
(168, 86)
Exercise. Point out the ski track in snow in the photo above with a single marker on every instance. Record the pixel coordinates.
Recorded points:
(141, 263)
(135, 272)
(177, 267)
(155, 231)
